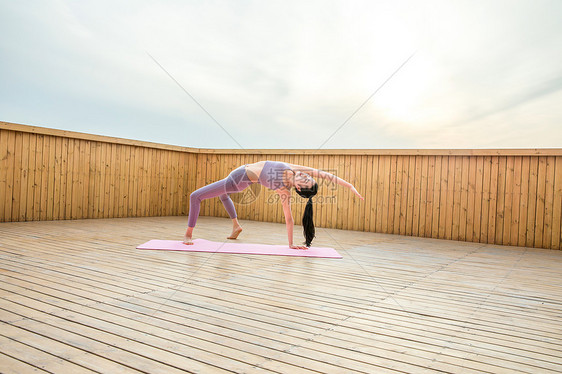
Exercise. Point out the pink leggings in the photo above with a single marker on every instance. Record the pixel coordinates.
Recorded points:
(236, 181)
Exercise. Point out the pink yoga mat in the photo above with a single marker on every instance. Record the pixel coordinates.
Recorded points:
(202, 245)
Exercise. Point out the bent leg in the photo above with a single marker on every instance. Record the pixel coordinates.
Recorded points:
(228, 205)
(235, 182)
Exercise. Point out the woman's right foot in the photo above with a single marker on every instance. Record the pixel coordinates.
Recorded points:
(235, 232)
(187, 240)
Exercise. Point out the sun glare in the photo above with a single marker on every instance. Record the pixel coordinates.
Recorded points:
(402, 98)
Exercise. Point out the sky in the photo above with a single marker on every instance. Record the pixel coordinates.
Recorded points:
(288, 74)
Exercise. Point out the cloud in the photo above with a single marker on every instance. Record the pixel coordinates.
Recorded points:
(286, 74)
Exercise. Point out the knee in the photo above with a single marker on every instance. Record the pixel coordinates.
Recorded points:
(224, 197)
(195, 197)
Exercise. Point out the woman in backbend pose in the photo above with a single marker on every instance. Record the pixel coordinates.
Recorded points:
(278, 176)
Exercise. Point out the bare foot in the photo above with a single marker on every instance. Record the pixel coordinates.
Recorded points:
(235, 232)
(187, 240)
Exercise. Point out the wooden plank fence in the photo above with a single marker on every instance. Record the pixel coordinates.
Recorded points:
(499, 196)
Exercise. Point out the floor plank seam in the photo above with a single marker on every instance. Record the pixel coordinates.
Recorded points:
(467, 321)
(421, 279)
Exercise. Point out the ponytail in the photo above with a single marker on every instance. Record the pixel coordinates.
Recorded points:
(308, 223)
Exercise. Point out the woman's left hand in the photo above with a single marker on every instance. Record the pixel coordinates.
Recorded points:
(357, 193)
(297, 247)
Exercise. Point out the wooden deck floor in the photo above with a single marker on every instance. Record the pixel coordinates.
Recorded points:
(76, 296)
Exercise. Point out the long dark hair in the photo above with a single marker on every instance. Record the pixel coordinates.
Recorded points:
(307, 221)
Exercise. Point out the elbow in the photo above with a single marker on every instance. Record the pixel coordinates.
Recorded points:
(289, 221)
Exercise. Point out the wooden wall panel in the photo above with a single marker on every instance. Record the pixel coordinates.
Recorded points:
(510, 197)
(557, 205)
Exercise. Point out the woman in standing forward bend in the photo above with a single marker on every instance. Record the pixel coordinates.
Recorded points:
(278, 176)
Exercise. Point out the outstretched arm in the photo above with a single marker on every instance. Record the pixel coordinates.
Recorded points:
(315, 173)
(289, 222)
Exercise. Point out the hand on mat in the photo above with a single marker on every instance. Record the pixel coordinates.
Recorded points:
(298, 247)
(357, 193)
